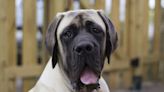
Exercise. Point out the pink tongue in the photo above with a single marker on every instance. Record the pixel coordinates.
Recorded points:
(88, 77)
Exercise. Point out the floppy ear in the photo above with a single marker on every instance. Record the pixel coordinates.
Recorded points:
(51, 39)
(111, 35)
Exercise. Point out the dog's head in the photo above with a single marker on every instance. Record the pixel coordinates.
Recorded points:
(80, 41)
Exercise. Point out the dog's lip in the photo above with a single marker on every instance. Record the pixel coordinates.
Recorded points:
(88, 77)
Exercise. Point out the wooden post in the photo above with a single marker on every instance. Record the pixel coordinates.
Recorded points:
(51, 8)
(85, 4)
(127, 29)
(11, 29)
(127, 78)
(8, 49)
(136, 31)
(142, 28)
(129, 35)
(142, 32)
(130, 28)
(132, 31)
(156, 41)
(8, 42)
(11, 41)
(100, 4)
(113, 77)
(3, 41)
(142, 35)
(29, 38)
(115, 13)
(29, 32)
(145, 16)
(45, 26)
(54, 7)
(136, 27)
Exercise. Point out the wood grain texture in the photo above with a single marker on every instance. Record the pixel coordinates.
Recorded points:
(29, 32)
(99, 4)
(29, 39)
(3, 54)
(11, 40)
(7, 41)
(157, 16)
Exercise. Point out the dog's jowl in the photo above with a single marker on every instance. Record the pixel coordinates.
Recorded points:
(79, 42)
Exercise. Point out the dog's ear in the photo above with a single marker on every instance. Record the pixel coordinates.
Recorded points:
(51, 38)
(111, 35)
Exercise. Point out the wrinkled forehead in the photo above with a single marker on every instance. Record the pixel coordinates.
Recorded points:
(73, 17)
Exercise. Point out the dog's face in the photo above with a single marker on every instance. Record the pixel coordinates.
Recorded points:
(80, 41)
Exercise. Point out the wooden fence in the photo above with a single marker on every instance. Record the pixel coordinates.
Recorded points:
(133, 41)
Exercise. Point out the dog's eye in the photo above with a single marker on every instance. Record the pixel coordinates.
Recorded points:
(95, 30)
(68, 34)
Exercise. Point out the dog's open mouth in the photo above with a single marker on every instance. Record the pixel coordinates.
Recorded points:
(88, 77)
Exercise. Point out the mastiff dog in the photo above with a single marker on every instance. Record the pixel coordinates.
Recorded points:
(79, 42)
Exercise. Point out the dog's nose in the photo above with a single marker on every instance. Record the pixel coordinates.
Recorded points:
(84, 47)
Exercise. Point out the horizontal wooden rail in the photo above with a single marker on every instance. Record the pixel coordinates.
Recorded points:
(23, 71)
(117, 65)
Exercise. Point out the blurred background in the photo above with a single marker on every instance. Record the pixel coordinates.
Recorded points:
(136, 66)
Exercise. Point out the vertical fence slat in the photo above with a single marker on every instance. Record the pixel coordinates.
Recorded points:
(11, 41)
(156, 43)
(127, 28)
(130, 27)
(86, 4)
(100, 4)
(156, 40)
(113, 80)
(29, 38)
(115, 20)
(51, 7)
(145, 17)
(141, 29)
(125, 33)
(127, 45)
(54, 7)
(29, 32)
(11, 29)
(8, 42)
(132, 31)
(3, 49)
(115, 13)
(45, 25)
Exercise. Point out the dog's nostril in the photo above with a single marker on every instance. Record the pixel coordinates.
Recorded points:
(78, 50)
(88, 48)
